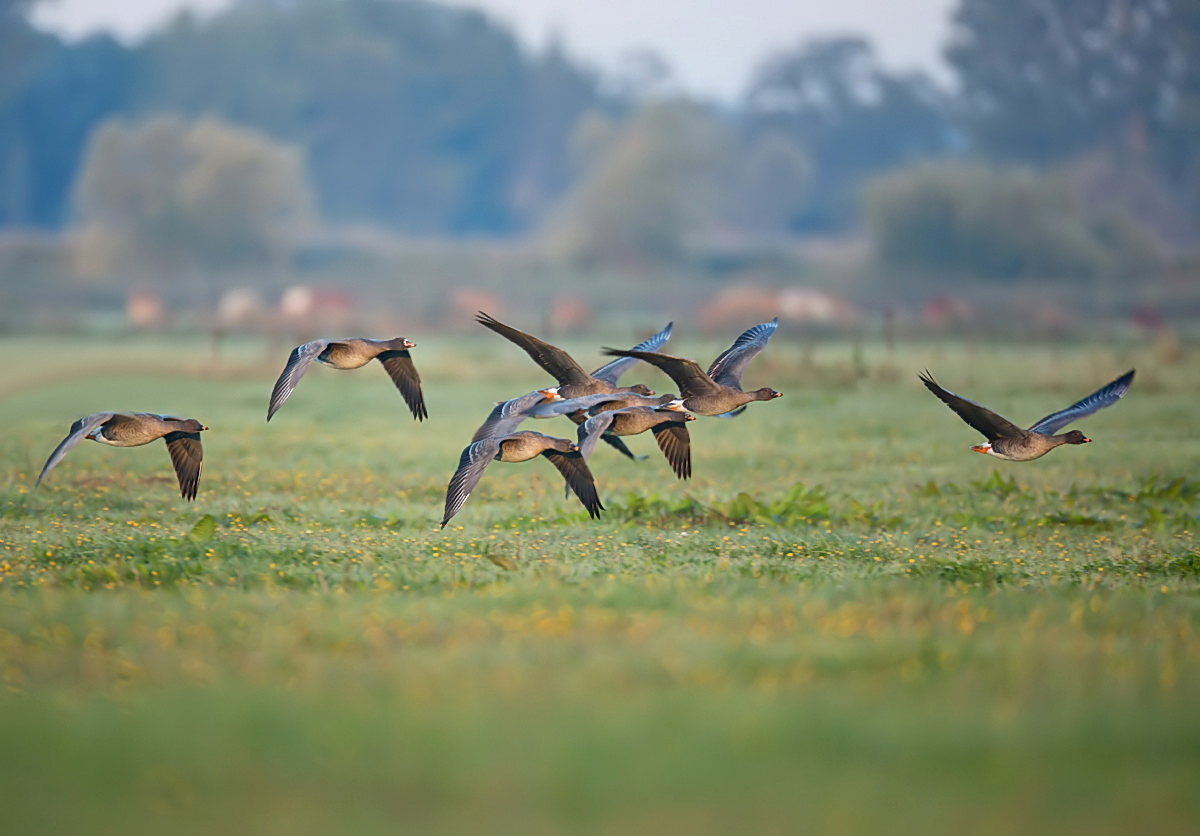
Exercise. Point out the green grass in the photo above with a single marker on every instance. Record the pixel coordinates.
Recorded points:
(845, 622)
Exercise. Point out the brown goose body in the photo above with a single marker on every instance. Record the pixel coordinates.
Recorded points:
(354, 353)
(1028, 446)
(623, 400)
(134, 429)
(725, 400)
(1005, 440)
(525, 445)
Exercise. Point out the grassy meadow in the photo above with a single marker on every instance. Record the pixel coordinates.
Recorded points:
(845, 622)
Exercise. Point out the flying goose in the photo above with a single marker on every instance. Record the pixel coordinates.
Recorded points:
(719, 391)
(133, 429)
(1005, 440)
(354, 353)
(521, 447)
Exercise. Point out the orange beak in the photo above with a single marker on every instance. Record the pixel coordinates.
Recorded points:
(1086, 440)
(409, 344)
(982, 448)
(551, 394)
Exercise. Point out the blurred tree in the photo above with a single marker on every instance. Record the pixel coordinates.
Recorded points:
(17, 38)
(1044, 80)
(20, 46)
(851, 117)
(412, 115)
(168, 196)
(642, 74)
(75, 87)
(556, 93)
(422, 117)
(51, 94)
(969, 220)
(768, 185)
(654, 185)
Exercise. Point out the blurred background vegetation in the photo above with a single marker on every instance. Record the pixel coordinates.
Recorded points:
(408, 161)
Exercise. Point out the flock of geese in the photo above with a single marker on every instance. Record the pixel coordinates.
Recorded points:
(602, 410)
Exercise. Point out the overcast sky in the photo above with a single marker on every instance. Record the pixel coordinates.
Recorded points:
(712, 45)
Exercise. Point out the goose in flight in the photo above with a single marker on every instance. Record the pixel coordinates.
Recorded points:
(521, 447)
(133, 429)
(719, 390)
(1005, 440)
(354, 353)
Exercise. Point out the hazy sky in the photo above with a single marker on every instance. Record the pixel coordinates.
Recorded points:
(712, 45)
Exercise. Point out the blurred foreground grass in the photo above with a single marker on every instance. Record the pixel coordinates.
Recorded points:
(845, 622)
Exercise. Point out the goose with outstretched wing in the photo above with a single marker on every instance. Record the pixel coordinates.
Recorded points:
(354, 353)
(133, 429)
(1005, 440)
(521, 447)
(719, 390)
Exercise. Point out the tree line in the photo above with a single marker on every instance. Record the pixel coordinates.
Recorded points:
(425, 119)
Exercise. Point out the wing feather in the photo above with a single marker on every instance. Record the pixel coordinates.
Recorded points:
(78, 431)
(676, 444)
(187, 456)
(728, 367)
(506, 417)
(687, 374)
(400, 368)
(989, 423)
(591, 430)
(1106, 395)
(561, 366)
(298, 362)
(611, 372)
(579, 479)
(471, 464)
(615, 442)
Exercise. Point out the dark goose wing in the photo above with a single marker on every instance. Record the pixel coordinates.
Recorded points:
(676, 444)
(728, 367)
(579, 479)
(615, 442)
(687, 374)
(551, 358)
(78, 431)
(298, 362)
(611, 372)
(187, 455)
(400, 368)
(471, 464)
(1102, 397)
(992, 426)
